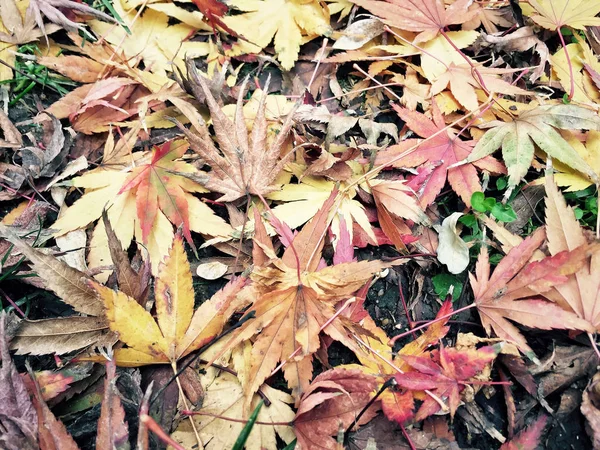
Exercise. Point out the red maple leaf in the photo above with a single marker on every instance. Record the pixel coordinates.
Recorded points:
(437, 154)
(445, 375)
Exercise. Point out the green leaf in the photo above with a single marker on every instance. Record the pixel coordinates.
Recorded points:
(442, 283)
(291, 445)
(478, 202)
(469, 220)
(537, 126)
(501, 183)
(243, 436)
(504, 213)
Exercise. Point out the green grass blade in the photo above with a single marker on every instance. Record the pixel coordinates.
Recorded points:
(241, 440)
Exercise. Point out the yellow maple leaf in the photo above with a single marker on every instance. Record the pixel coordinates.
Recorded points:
(570, 178)
(288, 23)
(438, 54)
(464, 84)
(152, 39)
(554, 14)
(303, 200)
(576, 54)
(224, 397)
(178, 330)
(102, 191)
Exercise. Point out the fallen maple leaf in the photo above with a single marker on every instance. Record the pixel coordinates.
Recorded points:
(427, 17)
(178, 329)
(514, 291)
(53, 383)
(302, 201)
(243, 165)
(488, 16)
(555, 14)
(162, 184)
(441, 152)
(463, 83)
(288, 23)
(378, 360)
(293, 298)
(91, 108)
(537, 126)
(332, 403)
(60, 335)
(124, 190)
(152, 40)
(528, 439)
(572, 65)
(566, 176)
(52, 433)
(580, 294)
(224, 399)
(446, 375)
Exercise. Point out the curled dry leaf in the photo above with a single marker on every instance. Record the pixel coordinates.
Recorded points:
(452, 250)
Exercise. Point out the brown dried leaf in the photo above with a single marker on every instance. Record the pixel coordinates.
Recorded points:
(243, 164)
(17, 415)
(68, 283)
(113, 433)
(132, 283)
(12, 136)
(332, 402)
(61, 335)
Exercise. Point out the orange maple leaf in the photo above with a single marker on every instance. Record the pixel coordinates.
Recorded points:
(294, 298)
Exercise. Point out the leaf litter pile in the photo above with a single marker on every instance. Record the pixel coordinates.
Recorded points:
(273, 224)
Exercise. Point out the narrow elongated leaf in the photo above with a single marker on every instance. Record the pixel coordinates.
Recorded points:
(61, 335)
(69, 284)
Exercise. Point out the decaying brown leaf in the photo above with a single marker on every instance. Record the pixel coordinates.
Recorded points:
(243, 165)
(17, 416)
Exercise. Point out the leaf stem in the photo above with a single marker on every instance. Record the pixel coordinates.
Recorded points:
(594, 346)
(569, 64)
(445, 316)
(186, 412)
